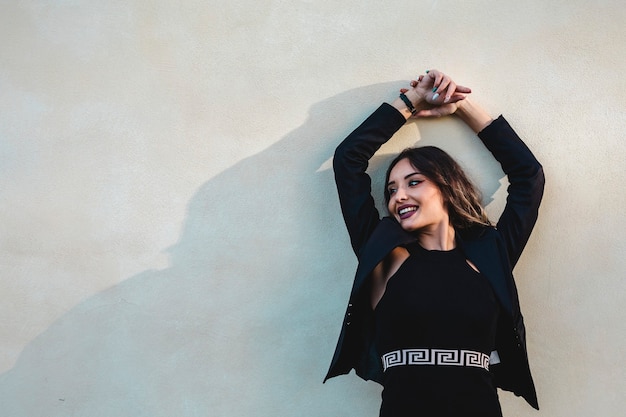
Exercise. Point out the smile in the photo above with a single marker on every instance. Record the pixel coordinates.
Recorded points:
(406, 211)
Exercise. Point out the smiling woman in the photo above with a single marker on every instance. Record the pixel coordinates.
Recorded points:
(433, 314)
(461, 199)
(414, 200)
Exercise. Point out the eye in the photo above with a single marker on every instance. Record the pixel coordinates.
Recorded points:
(413, 183)
(392, 191)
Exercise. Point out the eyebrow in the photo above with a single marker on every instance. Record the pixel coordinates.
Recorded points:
(405, 177)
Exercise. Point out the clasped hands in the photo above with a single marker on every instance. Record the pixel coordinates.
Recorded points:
(435, 94)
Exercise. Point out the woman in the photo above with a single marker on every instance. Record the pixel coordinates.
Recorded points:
(433, 314)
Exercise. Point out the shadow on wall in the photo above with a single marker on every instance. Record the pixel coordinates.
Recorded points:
(245, 320)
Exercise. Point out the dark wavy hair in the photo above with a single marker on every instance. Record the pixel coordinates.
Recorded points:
(460, 196)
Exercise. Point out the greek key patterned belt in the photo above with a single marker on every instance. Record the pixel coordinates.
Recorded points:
(451, 357)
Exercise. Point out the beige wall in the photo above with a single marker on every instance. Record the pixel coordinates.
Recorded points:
(171, 239)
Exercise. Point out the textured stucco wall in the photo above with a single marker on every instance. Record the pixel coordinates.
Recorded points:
(171, 239)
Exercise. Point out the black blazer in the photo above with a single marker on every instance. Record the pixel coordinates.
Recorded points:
(494, 250)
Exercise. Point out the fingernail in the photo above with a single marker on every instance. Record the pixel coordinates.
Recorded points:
(427, 71)
(446, 100)
(435, 89)
(435, 96)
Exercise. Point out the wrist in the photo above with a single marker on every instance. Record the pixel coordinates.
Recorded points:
(414, 105)
(476, 117)
(463, 107)
(418, 102)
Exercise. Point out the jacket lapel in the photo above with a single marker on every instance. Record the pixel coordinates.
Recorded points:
(483, 251)
(387, 236)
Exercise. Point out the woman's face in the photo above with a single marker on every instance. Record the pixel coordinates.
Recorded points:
(415, 201)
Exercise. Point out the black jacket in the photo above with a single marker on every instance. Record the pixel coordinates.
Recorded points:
(494, 250)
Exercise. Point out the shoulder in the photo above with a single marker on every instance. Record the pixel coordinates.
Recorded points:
(477, 232)
(481, 243)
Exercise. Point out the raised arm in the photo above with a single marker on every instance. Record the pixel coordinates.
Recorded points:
(350, 163)
(524, 172)
(433, 91)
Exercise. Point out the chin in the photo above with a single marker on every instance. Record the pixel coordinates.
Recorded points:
(409, 227)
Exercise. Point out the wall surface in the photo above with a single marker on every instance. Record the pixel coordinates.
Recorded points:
(171, 238)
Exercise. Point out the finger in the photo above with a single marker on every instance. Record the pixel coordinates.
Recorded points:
(403, 90)
(443, 84)
(456, 97)
(427, 80)
(450, 90)
(415, 83)
(461, 89)
(438, 94)
(438, 79)
(435, 98)
(433, 76)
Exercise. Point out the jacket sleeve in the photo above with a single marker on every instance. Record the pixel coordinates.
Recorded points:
(526, 183)
(350, 163)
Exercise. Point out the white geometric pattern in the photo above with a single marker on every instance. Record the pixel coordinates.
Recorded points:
(451, 357)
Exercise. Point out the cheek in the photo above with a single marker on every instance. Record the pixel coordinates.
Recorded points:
(436, 201)
(440, 205)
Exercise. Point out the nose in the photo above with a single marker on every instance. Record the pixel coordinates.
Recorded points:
(400, 194)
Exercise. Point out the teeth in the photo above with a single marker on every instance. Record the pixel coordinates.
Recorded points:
(406, 210)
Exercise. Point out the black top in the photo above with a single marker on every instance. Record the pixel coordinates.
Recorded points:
(436, 300)
(494, 250)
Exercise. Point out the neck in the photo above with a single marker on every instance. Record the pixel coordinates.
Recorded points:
(440, 238)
